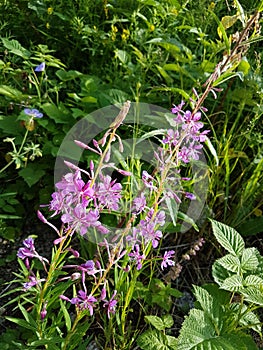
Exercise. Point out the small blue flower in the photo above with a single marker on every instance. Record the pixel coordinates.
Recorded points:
(33, 113)
(41, 67)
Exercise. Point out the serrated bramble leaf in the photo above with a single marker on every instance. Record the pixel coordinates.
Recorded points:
(254, 280)
(156, 321)
(251, 320)
(210, 306)
(220, 273)
(154, 340)
(233, 283)
(249, 260)
(228, 237)
(253, 295)
(230, 262)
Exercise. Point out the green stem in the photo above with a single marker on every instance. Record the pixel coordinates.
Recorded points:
(19, 151)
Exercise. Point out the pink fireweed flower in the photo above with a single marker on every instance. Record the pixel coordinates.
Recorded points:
(178, 109)
(33, 281)
(172, 137)
(82, 301)
(88, 268)
(139, 203)
(137, 257)
(111, 304)
(79, 219)
(167, 259)
(148, 180)
(108, 193)
(29, 251)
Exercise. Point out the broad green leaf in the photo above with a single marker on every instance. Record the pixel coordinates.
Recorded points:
(12, 93)
(251, 227)
(253, 295)
(210, 306)
(68, 75)
(220, 273)
(250, 319)
(31, 174)
(249, 260)
(254, 280)
(59, 114)
(154, 340)
(160, 323)
(122, 55)
(230, 262)
(228, 237)
(16, 48)
(233, 283)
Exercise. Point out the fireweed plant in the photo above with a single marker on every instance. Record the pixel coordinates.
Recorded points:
(87, 287)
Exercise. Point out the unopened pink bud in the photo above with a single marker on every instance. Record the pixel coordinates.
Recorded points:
(41, 217)
(81, 144)
(124, 172)
(91, 165)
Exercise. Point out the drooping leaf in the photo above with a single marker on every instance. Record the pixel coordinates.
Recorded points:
(16, 48)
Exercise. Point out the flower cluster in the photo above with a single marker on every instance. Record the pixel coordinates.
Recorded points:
(80, 205)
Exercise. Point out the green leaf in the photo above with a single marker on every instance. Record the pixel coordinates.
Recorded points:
(228, 237)
(59, 114)
(12, 93)
(228, 75)
(210, 306)
(253, 295)
(250, 319)
(70, 75)
(249, 260)
(251, 227)
(164, 74)
(212, 151)
(21, 323)
(230, 262)
(16, 48)
(233, 283)
(254, 280)
(160, 323)
(219, 272)
(31, 174)
(154, 340)
(66, 315)
(172, 206)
